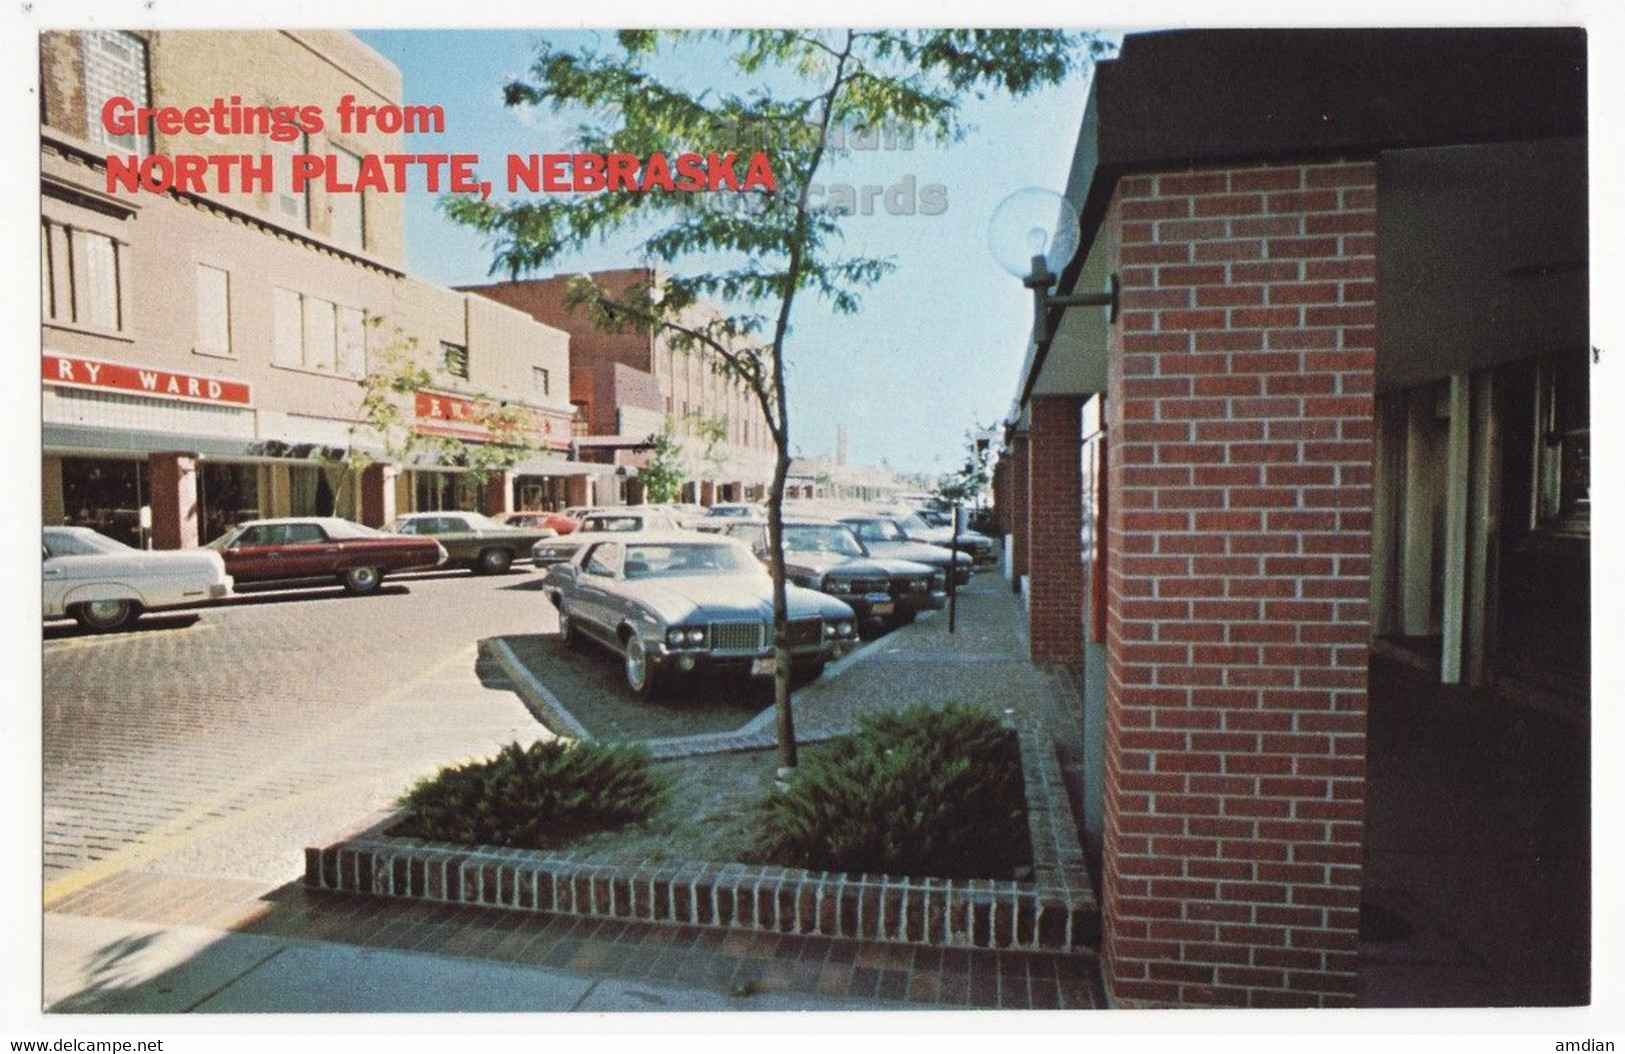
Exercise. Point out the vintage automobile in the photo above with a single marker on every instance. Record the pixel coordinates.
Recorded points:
(558, 522)
(675, 603)
(883, 537)
(827, 556)
(626, 520)
(322, 547)
(915, 527)
(106, 585)
(473, 540)
(718, 516)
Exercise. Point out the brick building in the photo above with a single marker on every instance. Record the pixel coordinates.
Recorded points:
(626, 386)
(1343, 413)
(202, 351)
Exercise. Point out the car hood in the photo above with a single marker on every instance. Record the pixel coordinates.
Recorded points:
(880, 567)
(918, 552)
(727, 597)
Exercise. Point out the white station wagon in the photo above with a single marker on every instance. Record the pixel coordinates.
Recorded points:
(107, 585)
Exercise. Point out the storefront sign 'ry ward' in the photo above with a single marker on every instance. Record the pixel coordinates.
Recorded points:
(73, 371)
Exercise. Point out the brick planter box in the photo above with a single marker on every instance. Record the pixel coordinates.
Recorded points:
(1055, 911)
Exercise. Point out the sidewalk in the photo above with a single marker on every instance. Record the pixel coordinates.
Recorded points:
(155, 941)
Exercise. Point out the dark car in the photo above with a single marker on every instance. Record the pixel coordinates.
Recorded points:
(827, 555)
(322, 547)
(473, 540)
(882, 537)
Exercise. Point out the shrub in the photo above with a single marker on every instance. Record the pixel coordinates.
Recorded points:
(534, 797)
(920, 792)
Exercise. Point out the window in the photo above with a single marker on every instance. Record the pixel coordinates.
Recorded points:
(455, 357)
(47, 274)
(82, 276)
(101, 300)
(347, 212)
(315, 334)
(213, 311)
(541, 380)
(115, 65)
(289, 206)
(579, 425)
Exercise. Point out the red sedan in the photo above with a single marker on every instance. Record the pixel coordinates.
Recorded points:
(556, 520)
(322, 547)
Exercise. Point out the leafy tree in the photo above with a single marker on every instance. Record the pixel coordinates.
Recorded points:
(396, 373)
(757, 259)
(663, 477)
(970, 482)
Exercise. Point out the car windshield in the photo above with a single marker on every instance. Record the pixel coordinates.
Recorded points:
(346, 529)
(81, 543)
(878, 531)
(612, 523)
(822, 538)
(913, 523)
(677, 560)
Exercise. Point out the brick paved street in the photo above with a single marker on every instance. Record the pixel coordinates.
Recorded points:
(188, 763)
(221, 746)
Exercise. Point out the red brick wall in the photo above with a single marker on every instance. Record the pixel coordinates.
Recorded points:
(1240, 510)
(1055, 490)
(1019, 498)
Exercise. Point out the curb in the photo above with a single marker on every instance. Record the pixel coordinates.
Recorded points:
(1054, 912)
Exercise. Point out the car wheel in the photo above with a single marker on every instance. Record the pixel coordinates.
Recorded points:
(360, 580)
(494, 561)
(905, 618)
(640, 668)
(102, 616)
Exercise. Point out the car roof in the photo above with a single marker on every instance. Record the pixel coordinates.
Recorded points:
(298, 519)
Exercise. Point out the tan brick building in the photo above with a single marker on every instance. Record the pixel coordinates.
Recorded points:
(628, 385)
(202, 351)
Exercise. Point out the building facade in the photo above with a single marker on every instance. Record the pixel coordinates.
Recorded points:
(629, 385)
(1343, 412)
(203, 350)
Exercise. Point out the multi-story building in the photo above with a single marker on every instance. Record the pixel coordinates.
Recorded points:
(203, 349)
(629, 385)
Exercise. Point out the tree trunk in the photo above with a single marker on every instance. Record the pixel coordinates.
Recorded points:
(785, 717)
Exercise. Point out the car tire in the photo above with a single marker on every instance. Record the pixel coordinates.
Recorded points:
(639, 668)
(361, 580)
(493, 562)
(104, 616)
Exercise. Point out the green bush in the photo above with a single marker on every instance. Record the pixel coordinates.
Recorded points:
(920, 792)
(535, 797)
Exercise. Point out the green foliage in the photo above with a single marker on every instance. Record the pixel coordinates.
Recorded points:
(920, 792)
(396, 372)
(664, 475)
(967, 484)
(535, 797)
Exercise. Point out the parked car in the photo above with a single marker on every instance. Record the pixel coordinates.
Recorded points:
(322, 547)
(106, 585)
(980, 546)
(677, 603)
(720, 515)
(826, 555)
(557, 522)
(627, 520)
(883, 537)
(473, 540)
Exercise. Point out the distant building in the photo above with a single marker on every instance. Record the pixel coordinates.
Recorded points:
(201, 352)
(627, 386)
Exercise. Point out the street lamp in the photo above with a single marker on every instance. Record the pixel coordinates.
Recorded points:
(1033, 234)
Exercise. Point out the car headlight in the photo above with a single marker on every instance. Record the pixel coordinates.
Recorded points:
(918, 585)
(836, 585)
(939, 581)
(675, 637)
(696, 636)
(838, 628)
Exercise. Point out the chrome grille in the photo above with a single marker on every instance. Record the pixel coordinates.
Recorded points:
(870, 585)
(806, 631)
(736, 636)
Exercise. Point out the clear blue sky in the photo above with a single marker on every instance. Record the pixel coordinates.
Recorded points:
(937, 344)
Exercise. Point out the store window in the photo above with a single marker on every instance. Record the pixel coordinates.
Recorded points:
(1562, 456)
(227, 495)
(314, 334)
(105, 495)
(455, 359)
(115, 66)
(443, 492)
(321, 490)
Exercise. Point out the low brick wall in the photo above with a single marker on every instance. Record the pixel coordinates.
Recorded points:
(1055, 911)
